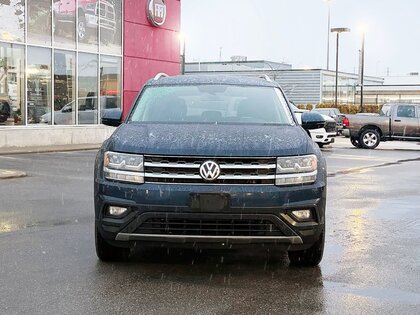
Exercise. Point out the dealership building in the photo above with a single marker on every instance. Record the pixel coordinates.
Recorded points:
(64, 62)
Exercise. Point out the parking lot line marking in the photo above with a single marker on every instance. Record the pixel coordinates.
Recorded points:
(355, 157)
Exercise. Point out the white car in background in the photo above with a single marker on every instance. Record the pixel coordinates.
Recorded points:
(321, 136)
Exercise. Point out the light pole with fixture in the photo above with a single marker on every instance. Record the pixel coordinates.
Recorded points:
(337, 30)
(328, 33)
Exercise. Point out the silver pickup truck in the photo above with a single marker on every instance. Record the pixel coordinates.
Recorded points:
(394, 122)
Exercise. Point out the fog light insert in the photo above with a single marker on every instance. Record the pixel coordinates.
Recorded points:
(302, 214)
(116, 211)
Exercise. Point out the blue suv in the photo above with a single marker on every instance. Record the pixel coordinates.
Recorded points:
(210, 161)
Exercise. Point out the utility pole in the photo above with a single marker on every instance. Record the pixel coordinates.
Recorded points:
(362, 71)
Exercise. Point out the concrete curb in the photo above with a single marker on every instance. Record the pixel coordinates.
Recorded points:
(7, 174)
(53, 148)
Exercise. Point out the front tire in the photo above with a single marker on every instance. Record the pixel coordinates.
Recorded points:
(369, 139)
(107, 252)
(309, 257)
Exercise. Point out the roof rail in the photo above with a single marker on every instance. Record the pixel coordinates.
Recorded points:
(266, 77)
(159, 75)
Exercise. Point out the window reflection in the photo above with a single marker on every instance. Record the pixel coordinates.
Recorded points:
(12, 84)
(110, 72)
(110, 21)
(12, 20)
(64, 23)
(88, 88)
(39, 85)
(87, 26)
(39, 22)
(64, 88)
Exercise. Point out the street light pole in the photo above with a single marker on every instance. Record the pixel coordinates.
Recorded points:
(337, 30)
(328, 33)
(362, 71)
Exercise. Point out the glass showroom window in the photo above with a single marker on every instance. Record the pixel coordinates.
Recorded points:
(12, 84)
(12, 20)
(110, 72)
(64, 88)
(110, 21)
(90, 30)
(87, 25)
(38, 71)
(64, 23)
(39, 22)
(88, 88)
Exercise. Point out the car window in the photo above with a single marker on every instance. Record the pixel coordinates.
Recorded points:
(385, 110)
(406, 111)
(212, 104)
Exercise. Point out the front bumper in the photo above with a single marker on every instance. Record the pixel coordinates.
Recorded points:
(168, 205)
(321, 136)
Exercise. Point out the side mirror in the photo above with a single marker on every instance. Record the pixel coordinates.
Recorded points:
(112, 117)
(311, 120)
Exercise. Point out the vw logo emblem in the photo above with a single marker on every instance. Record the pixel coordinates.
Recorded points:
(209, 170)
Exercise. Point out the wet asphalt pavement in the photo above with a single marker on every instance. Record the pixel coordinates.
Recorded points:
(371, 263)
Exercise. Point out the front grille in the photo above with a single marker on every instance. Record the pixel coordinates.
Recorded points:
(209, 227)
(172, 169)
(330, 126)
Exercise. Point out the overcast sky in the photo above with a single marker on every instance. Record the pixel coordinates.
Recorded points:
(295, 31)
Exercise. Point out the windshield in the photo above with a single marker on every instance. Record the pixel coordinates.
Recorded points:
(212, 104)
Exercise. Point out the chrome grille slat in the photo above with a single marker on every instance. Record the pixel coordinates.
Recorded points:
(186, 170)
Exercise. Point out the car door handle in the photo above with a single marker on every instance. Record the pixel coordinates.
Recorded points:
(397, 120)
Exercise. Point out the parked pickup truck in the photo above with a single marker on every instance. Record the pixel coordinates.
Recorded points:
(394, 122)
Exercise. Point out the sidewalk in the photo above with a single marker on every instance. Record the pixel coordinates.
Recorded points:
(50, 148)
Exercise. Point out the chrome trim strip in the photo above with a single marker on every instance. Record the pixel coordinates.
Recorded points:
(171, 165)
(159, 237)
(222, 166)
(212, 157)
(179, 176)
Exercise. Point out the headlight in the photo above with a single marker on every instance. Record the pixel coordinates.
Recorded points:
(295, 170)
(124, 167)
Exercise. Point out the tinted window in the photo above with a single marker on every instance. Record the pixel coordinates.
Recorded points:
(212, 104)
(406, 111)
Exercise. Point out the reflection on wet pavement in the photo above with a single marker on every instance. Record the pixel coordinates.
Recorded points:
(371, 264)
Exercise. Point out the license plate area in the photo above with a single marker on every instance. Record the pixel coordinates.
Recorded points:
(209, 202)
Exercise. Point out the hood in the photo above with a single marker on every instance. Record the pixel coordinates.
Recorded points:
(210, 140)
